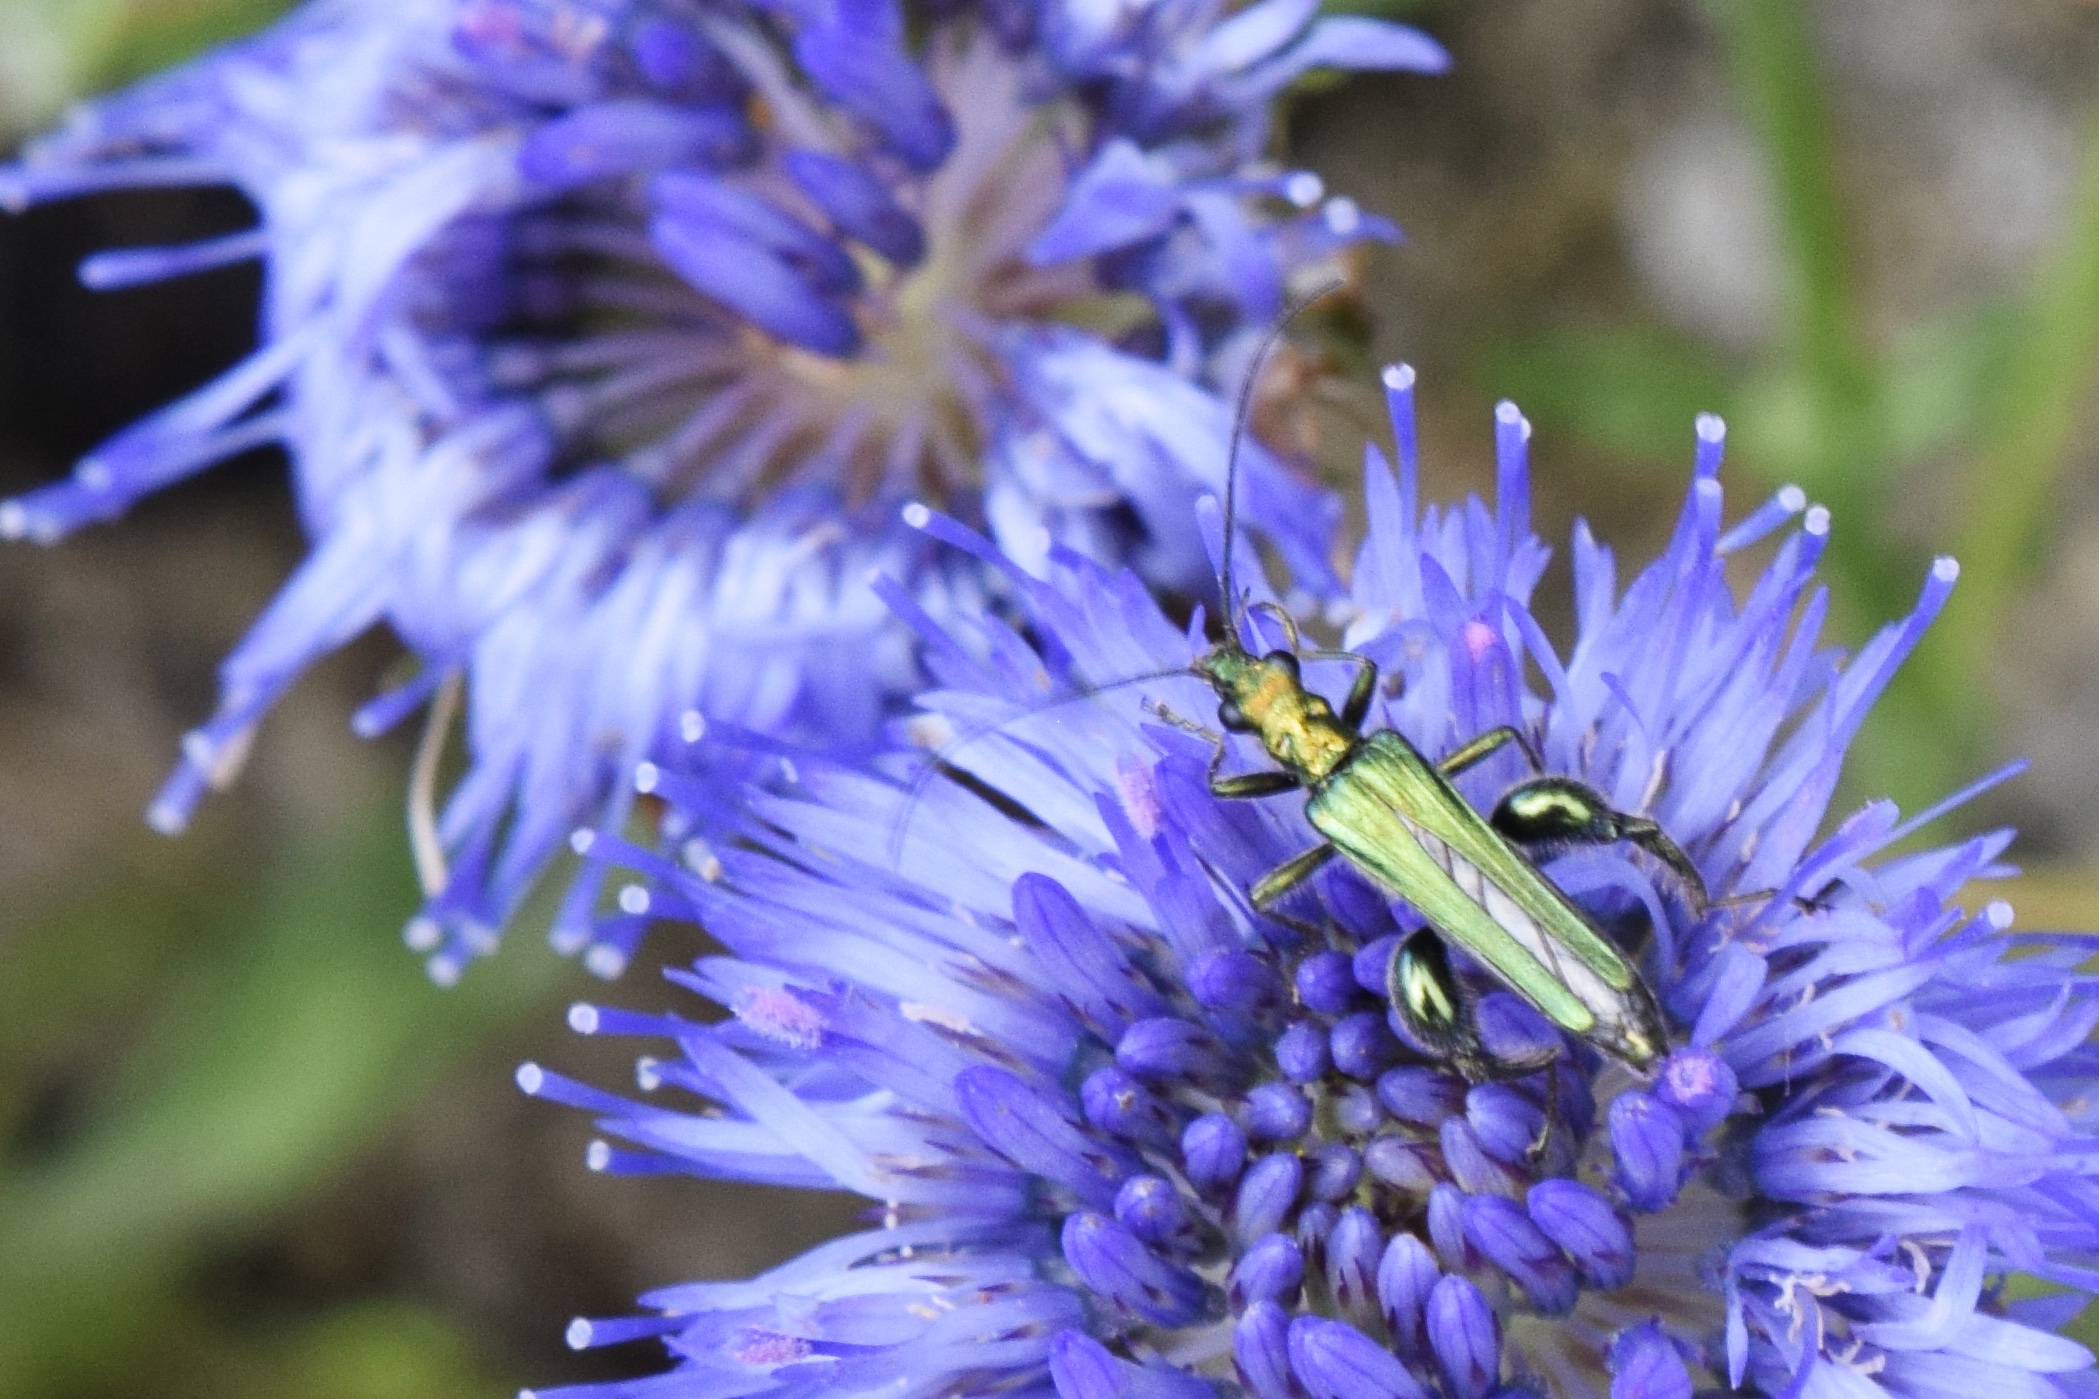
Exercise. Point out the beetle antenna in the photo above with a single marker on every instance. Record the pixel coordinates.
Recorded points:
(1241, 415)
(937, 762)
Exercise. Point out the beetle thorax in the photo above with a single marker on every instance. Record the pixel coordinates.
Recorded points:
(1297, 727)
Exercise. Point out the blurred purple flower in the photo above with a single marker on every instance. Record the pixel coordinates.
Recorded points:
(1049, 1040)
(604, 335)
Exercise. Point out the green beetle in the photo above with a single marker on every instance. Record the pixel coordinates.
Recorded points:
(1397, 817)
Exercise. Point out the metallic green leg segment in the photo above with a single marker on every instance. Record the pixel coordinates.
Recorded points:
(1655, 841)
(1439, 1011)
(1239, 786)
(1242, 785)
(1288, 875)
(1486, 746)
(1360, 690)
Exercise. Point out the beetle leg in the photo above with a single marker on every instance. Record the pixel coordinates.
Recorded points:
(1241, 785)
(1276, 611)
(1486, 746)
(1495, 1066)
(1535, 1153)
(1159, 708)
(1356, 707)
(1804, 902)
(1656, 842)
(1288, 875)
(1361, 690)
(1550, 815)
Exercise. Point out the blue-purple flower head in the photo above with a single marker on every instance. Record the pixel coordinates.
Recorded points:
(605, 335)
(1123, 1136)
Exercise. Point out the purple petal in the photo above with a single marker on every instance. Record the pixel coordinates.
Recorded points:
(1277, 1112)
(1122, 1107)
(1234, 980)
(1507, 1123)
(1167, 1049)
(626, 135)
(1362, 1046)
(1505, 1234)
(1151, 1209)
(1410, 1166)
(1083, 964)
(1645, 1364)
(1446, 1229)
(1032, 1132)
(1336, 1170)
(1119, 1269)
(1336, 1361)
(859, 204)
(1083, 1368)
(1301, 1053)
(1266, 1195)
(1511, 1029)
(1465, 1337)
(1353, 42)
(1405, 1276)
(756, 284)
(1584, 1224)
(1647, 1139)
(865, 72)
(1213, 1151)
(1421, 1095)
(1353, 1249)
(709, 206)
(1326, 982)
(1123, 197)
(1260, 1351)
(1699, 1084)
(1271, 1270)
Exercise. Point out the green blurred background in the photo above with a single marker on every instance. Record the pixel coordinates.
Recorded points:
(246, 1149)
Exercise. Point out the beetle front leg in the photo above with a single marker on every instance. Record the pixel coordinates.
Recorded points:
(1167, 715)
(1287, 876)
(1361, 690)
(1485, 747)
(1240, 786)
